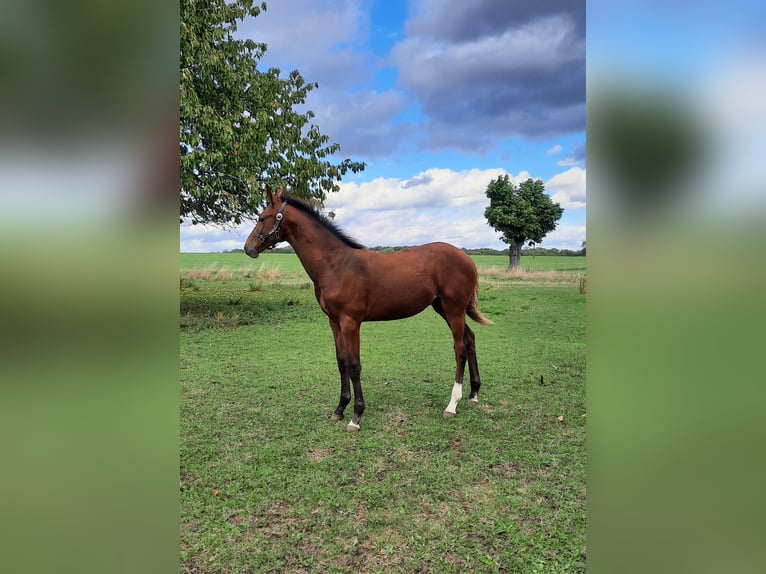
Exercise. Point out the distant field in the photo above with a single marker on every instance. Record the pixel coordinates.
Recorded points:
(285, 262)
(268, 483)
(288, 263)
(536, 263)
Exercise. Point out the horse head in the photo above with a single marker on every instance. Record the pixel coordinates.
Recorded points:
(266, 233)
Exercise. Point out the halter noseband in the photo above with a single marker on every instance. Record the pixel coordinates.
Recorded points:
(275, 231)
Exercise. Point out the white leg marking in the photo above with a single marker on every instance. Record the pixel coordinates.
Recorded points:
(457, 394)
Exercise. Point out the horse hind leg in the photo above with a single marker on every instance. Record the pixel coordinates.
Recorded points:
(457, 325)
(473, 365)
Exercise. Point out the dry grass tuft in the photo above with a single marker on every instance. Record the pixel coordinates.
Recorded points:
(204, 274)
(268, 273)
(210, 274)
(263, 272)
(222, 274)
(495, 275)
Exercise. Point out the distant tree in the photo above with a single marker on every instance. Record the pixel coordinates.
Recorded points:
(583, 248)
(238, 124)
(523, 213)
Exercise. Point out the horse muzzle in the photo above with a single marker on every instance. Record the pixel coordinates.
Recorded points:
(251, 250)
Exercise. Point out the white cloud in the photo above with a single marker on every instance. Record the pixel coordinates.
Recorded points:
(554, 150)
(212, 238)
(565, 237)
(568, 188)
(437, 189)
(445, 205)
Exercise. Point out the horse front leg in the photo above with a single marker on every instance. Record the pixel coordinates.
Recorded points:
(350, 336)
(345, 387)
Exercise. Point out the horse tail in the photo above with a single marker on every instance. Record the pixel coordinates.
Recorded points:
(473, 309)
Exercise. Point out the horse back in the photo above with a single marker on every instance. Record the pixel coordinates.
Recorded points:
(449, 265)
(403, 283)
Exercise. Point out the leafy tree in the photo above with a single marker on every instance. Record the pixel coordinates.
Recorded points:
(522, 213)
(238, 124)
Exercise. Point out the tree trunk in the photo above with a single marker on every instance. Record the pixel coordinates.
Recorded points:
(514, 254)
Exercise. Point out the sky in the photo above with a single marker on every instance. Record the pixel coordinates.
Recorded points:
(438, 97)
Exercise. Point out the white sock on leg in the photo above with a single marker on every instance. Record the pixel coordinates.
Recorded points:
(457, 394)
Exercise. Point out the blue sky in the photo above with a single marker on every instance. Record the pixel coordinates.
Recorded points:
(438, 97)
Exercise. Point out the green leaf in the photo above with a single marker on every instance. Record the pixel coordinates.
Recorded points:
(238, 126)
(521, 213)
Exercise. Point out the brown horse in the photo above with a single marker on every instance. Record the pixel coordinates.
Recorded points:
(353, 285)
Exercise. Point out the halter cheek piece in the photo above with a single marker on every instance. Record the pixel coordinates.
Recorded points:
(275, 231)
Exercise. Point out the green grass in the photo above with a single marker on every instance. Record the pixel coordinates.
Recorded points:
(270, 484)
(285, 262)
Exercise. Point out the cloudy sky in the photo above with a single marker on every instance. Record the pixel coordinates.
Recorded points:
(438, 97)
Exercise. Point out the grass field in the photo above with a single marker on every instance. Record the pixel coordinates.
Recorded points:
(270, 484)
(289, 263)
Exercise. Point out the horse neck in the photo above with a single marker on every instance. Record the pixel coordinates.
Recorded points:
(319, 250)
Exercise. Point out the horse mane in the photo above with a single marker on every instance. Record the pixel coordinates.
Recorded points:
(322, 220)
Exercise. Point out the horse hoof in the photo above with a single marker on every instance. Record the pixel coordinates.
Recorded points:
(352, 427)
(336, 417)
(448, 415)
(474, 400)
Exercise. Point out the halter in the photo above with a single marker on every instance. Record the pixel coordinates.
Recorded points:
(275, 231)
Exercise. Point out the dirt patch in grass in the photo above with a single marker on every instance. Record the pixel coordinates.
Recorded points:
(236, 519)
(456, 443)
(275, 523)
(395, 422)
(508, 469)
(188, 479)
(319, 454)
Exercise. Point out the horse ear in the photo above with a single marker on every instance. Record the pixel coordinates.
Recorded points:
(280, 193)
(269, 195)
